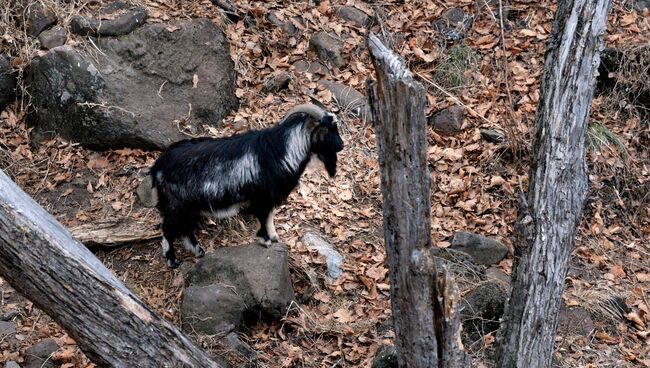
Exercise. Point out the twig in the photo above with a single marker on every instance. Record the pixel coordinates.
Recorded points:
(103, 104)
(472, 111)
(512, 138)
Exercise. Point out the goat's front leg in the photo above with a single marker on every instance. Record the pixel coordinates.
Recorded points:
(266, 234)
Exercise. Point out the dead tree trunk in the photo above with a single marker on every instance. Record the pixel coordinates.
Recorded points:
(426, 328)
(113, 327)
(551, 210)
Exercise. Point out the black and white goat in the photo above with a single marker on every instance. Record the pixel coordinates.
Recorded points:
(253, 172)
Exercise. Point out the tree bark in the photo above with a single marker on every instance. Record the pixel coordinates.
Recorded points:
(551, 210)
(111, 233)
(426, 327)
(113, 327)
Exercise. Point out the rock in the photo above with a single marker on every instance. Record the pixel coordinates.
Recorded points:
(328, 48)
(138, 90)
(454, 24)
(493, 135)
(354, 15)
(287, 25)
(118, 18)
(211, 310)
(466, 271)
(313, 67)
(53, 37)
(497, 275)
(333, 257)
(481, 310)
(148, 198)
(259, 275)
(386, 357)
(7, 83)
(448, 121)
(12, 364)
(38, 17)
(38, 355)
(240, 347)
(277, 82)
(484, 250)
(8, 332)
(348, 98)
(642, 4)
(575, 321)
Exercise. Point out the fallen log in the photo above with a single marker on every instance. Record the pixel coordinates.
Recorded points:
(112, 326)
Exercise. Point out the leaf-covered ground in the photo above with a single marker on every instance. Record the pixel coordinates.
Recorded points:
(342, 323)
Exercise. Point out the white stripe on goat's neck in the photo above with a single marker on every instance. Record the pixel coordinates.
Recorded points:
(232, 175)
(297, 145)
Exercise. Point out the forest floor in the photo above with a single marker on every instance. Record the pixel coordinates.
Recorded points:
(474, 182)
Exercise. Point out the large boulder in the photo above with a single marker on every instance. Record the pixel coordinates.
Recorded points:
(484, 250)
(7, 83)
(137, 90)
(259, 275)
(211, 309)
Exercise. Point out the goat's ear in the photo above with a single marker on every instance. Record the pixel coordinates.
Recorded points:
(320, 132)
(327, 119)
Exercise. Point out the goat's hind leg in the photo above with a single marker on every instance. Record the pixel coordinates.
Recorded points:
(193, 245)
(170, 233)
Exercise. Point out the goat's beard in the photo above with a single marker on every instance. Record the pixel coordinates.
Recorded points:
(329, 160)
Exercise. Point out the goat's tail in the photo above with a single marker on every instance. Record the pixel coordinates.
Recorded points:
(152, 196)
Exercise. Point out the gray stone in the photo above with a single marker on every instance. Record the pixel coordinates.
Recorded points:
(328, 48)
(313, 67)
(259, 275)
(287, 25)
(493, 135)
(333, 258)
(348, 98)
(53, 37)
(38, 355)
(118, 18)
(448, 121)
(12, 364)
(354, 15)
(484, 250)
(7, 83)
(148, 198)
(481, 311)
(240, 347)
(277, 82)
(497, 275)
(8, 332)
(575, 321)
(386, 357)
(138, 90)
(454, 24)
(462, 266)
(211, 310)
(38, 17)
(642, 4)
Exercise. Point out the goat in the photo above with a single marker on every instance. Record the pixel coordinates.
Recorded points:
(253, 172)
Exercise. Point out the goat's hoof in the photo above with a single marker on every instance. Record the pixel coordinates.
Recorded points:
(275, 239)
(200, 252)
(266, 242)
(172, 263)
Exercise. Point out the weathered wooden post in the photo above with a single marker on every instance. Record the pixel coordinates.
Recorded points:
(426, 327)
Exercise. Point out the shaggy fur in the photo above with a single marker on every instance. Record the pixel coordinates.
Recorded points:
(254, 172)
